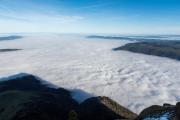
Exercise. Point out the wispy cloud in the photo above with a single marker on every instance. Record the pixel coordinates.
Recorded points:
(36, 16)
(97, 5)
(41, 18)
(54, 18)
(7, 17)
(4, 8)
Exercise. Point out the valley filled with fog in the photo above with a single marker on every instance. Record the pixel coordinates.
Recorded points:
(76, 62)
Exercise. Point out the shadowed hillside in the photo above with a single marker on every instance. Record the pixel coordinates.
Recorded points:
(26, 97)
(170, 49)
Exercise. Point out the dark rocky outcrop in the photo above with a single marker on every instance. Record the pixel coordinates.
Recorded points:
(103, 108)
(177, 110)
(167, 112)
(27, 97)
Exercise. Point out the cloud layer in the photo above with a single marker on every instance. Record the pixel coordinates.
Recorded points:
(74, 62)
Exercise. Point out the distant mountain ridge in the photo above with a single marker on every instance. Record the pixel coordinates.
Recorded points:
(7, 38)
(9, 50)
(11, 37)
(149, 45)
(170, 49)
(148, 38)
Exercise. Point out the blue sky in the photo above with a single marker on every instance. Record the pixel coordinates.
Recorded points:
(91, 16)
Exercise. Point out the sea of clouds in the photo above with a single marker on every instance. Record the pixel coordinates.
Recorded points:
(77, 63)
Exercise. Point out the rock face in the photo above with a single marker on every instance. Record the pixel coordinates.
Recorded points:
(165, 112)
(26, 97)
(103, 108)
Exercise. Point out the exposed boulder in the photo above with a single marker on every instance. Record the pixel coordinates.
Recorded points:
(103, 108)
(167, 112)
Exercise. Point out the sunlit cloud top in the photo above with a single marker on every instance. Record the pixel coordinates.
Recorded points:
(91, 16)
